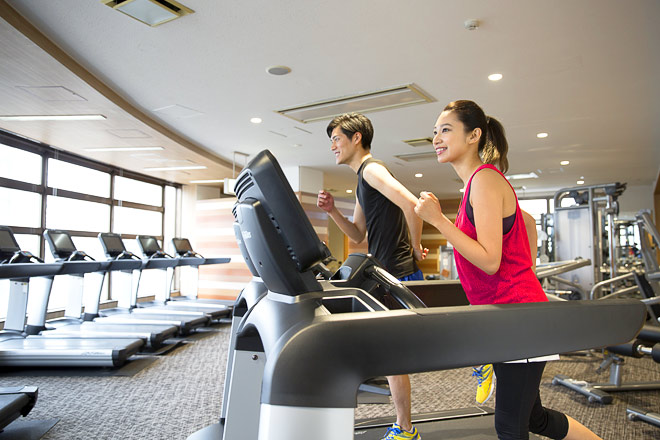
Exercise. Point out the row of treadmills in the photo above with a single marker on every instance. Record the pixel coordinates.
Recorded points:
(98, 337)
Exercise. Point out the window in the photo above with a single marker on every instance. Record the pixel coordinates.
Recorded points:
(79, 198)
(131, 190)
(65, 175)
(20, 208)
(137, 221)
(76, 215)
(20, 165)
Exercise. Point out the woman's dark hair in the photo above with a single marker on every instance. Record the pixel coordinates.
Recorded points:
(351, 123)
(493, 146)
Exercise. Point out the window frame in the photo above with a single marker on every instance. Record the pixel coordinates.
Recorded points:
(48, 152)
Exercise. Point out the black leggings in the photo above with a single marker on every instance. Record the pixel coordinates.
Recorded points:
(518, 409)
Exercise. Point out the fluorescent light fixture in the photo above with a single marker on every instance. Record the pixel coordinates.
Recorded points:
(349, 191)
(208, 181)
(531, 175)
(495, 76)
(542, 135)
(256, 120)
(580, 182)
(461, 190)
(364, 102)
(151, 12)
(564, 162)
(119, 149)
(419, 175)
(179, 168)
(52, 118)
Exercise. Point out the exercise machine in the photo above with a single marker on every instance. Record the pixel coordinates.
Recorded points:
(17, 349)
(303, 349)
(73, 324)
(183, 249)
(151, 250)
(128, 284)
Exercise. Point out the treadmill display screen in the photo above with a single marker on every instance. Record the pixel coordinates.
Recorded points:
(182, 245)
(62, 242)
(113, 244)
(7, 242)
(148, 244)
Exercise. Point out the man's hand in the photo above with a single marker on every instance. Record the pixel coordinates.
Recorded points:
(325, 201)
(420, 253)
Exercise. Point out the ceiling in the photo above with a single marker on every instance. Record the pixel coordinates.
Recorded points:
(583, 71)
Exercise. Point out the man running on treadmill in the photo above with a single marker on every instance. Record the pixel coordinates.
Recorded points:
(384, 211)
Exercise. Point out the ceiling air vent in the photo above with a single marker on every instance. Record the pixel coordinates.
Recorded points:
(421, 142)
(151, 12)
(364, 102)
(415, 157)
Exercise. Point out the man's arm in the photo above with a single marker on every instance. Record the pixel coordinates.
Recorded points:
(355, 230)
(379, 178)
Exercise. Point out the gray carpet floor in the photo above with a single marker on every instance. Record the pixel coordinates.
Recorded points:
(181, 392)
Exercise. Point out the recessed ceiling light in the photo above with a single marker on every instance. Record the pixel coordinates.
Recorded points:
(52, 118)
(350, 191)
(113, 149)
(495, 76)
(207, 181)
(297, 145)
(419, 175)
(580, 182)
(255, 120)
(564, 162)
(541, 135)
(461, 190)
(531, 175)
(278, 70)
(179, 168)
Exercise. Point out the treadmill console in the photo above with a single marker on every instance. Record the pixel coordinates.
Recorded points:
(150, 247)
(10, 251)
(113, 246)
(8, 244)
(61, 245)
(183, 248)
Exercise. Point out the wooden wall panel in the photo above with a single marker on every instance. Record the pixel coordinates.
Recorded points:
(214, 237)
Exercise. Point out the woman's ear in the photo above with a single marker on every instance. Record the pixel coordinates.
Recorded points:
(475, 135)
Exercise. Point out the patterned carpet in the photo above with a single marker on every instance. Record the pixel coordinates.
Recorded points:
(181, 393)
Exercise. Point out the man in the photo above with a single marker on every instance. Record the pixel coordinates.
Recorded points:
(384, 211)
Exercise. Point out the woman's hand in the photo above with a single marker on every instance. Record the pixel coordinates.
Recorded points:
(428, 207)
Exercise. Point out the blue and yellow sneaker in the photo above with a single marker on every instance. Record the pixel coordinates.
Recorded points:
(484, 375)
(396, 433)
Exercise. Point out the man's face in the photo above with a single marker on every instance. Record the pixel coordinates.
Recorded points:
(342, 146)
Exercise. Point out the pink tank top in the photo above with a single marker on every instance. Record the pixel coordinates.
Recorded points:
(514, 282)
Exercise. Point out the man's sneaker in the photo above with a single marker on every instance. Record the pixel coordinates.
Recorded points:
(396, 433)
(484, 375)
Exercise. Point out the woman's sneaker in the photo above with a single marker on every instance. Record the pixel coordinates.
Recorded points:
(484, 375)
(396, 433)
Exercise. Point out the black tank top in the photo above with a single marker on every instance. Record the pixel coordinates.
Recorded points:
(388, 235)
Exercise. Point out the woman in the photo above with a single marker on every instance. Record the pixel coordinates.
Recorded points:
(492, 254)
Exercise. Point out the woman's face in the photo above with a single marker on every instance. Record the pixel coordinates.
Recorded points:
(449, 138)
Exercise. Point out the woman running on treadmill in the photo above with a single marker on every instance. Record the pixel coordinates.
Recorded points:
(492, 253)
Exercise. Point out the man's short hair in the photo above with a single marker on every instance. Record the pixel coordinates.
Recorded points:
(351, 123)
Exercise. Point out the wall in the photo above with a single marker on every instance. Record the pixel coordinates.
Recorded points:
(634, 199)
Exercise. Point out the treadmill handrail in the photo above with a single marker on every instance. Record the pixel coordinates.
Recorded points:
(320, 363)
(28, 270)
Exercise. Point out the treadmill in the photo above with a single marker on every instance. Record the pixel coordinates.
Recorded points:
(73, 324)
(127, 311)
(304, 346)
(184, 250)
(152, 253)
(19, 350)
